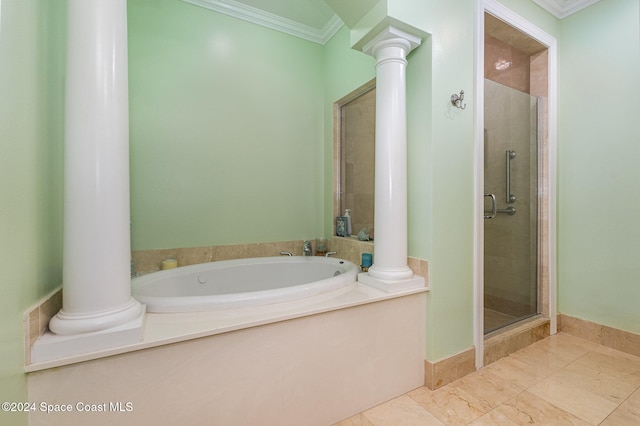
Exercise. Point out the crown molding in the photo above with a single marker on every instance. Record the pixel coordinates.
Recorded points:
(563, 8)
(269, 20)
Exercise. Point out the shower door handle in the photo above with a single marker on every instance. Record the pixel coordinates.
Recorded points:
(493, 206)
(510, 156)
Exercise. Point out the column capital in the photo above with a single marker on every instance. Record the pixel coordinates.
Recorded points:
(392, 36)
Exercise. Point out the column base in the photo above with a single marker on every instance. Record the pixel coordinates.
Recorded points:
(392, 286)
(64, 323)
(52, 346)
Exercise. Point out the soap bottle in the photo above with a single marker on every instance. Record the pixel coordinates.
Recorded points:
(348, 216)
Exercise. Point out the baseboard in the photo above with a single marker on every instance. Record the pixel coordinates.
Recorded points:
(614, 338)
(449, 369)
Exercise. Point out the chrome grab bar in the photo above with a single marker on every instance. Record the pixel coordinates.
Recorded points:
(509, 210)
(510, 156)
(493, 210)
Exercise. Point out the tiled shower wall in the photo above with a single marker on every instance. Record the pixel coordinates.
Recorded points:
(357, 160)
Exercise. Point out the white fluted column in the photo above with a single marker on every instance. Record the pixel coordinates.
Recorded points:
(390, 271)
(96, 276)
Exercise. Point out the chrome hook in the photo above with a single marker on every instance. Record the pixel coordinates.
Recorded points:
(456, 100)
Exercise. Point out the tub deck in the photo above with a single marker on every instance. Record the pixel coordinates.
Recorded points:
(167, 328)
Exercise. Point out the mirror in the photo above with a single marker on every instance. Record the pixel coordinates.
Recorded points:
(354, 157)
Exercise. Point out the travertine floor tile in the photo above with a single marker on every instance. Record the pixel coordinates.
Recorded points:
(567, 346)
(527, 408)
(628, 413)
(357, 420)
(549, 357)
(561, 380)
(518, 372)
(573, 399)
(452, 405)
(597, 382)
(401, 411)
(494, 418)
(487, 387)
(541, 363)
(615, 365)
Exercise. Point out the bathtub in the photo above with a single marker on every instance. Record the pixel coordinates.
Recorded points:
(320, 342)
(231, 284)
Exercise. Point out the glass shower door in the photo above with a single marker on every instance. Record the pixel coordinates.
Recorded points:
(511, 206)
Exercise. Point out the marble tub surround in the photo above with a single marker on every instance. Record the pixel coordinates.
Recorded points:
(560, 380)
(351, 249)
(146, 261)
(419, 267)
(36, 319)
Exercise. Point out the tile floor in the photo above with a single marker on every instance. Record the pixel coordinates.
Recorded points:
(561, 380)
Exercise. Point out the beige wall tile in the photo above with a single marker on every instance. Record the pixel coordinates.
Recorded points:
(146, 261)
(37, 319)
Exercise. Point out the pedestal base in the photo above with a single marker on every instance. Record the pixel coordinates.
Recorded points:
(392, 286)
(52, 346)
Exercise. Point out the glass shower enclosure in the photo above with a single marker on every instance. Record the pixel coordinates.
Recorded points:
(511, 208)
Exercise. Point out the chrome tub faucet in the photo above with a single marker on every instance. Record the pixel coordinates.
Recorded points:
(306, 248)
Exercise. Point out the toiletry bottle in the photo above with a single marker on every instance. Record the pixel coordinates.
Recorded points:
(348, 216)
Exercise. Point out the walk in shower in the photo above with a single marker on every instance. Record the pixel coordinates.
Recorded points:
(511, 163)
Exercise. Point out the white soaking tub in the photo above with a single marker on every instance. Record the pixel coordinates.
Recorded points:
(231, 284)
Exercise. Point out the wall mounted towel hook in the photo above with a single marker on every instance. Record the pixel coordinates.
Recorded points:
(456, 100)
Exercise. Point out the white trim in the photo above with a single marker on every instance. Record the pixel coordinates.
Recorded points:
(478, 171)
(563, 8)
(553, 179)
(504, 14)
(270, 20)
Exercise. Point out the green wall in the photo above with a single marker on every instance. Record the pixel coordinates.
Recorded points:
(31, 104)
(440, 168)
(227, 122)
(599, 175)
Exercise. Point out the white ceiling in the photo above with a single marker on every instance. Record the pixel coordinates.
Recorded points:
(316, 21)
